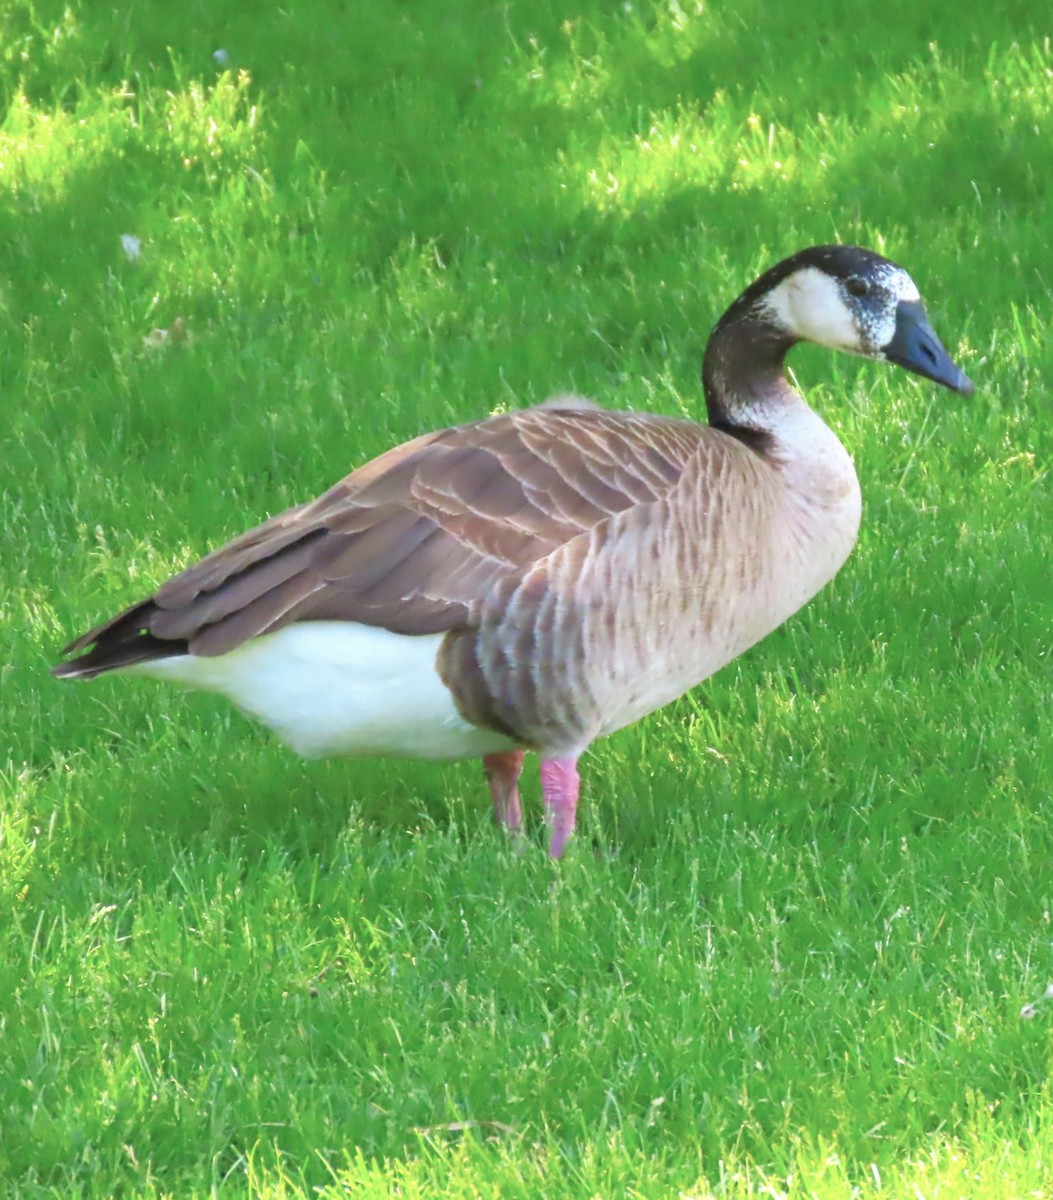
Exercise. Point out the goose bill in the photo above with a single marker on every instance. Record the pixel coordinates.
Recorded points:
(915, 346)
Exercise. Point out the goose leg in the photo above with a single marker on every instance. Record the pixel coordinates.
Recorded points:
(559, 790)
(502, 773)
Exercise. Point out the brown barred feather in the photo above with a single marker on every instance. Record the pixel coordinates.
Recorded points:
(416, 540)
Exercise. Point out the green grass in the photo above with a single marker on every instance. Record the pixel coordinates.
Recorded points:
(788, 952)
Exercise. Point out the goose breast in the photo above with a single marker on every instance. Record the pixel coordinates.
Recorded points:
(631, 613)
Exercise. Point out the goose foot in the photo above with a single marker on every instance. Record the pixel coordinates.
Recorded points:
(502, 773)
(559, 790)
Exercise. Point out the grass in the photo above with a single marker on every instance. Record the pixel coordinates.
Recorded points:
(788, 953)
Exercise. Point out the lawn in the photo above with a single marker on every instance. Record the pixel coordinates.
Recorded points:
(247, 248)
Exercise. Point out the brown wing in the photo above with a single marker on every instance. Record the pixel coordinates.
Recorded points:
(412, 541)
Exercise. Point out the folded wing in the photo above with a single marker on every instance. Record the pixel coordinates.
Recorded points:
(414, 540)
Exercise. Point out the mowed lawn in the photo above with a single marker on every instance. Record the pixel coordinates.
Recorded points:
(790, 951)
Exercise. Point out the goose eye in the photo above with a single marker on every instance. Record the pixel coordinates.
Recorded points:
(856, 285)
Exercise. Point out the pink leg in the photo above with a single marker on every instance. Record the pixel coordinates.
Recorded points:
(502, 773)
(559, 790)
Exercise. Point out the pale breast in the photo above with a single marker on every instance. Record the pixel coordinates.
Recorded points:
(623, 620)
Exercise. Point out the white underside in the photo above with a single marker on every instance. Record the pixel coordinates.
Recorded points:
(336, 688)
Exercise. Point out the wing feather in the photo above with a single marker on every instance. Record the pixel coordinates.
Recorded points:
(415, 540)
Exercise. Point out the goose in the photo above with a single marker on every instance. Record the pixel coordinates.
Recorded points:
(538, 579)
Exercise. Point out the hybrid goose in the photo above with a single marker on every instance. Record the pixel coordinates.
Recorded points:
(539, 579)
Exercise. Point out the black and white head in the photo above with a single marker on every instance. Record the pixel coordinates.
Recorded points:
(849, 298)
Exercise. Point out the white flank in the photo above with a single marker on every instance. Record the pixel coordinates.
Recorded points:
(336, 688)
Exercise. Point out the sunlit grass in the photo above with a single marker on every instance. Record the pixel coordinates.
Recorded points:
(789, 950)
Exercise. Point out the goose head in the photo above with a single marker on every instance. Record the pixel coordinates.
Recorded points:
(848, 298)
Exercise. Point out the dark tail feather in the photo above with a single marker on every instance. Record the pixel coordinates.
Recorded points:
(102, 658)
(122, 642)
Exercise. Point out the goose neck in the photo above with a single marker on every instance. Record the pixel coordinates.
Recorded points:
(742, 374)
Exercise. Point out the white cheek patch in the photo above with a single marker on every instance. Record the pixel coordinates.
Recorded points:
(899, 282)
(809, 304)
(879, 328)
